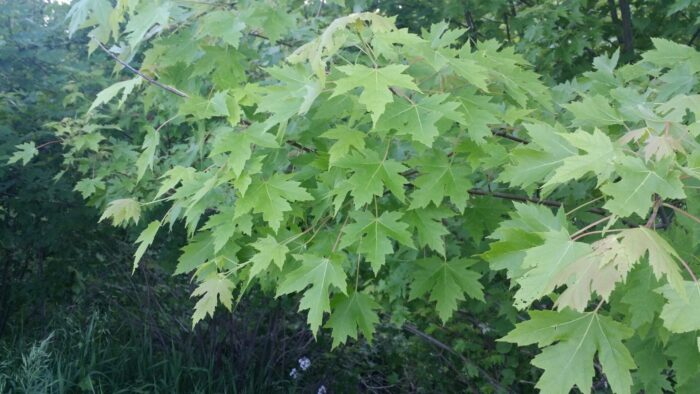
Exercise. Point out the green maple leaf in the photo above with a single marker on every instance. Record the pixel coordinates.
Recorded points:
(599, 271)
(447, 282)
(174, 176)
(419, 118)
(479, 113)
(384, 42)
(88, 187)
(428, 226)
(238, 147)
(213, 289)
(24, 152)
(347, 138)
(533, 162)
(371, 173)
(675, 108)
(106, 95)
(198, 250)
(271, 198)
(152, 13)
(224, 225)
(89, 141)
(440, 178)
(508, 253)
(634, 192)
(644, 303)
(352, 313)
(609, 262)
(514, 237)
(668, 54)
(663, 259)
(148, 155)
(611, 259)
(594, 111)
(237, 144)
(294, 96)
(569, 361)
(471, 70)
(269, 250)
(122, 211)
(373, 234)
(683, 350)
(320, 273)
(319, 51)
(205, 108)
(599, 158)
(651, 375)
(375, 84)
(274, 20)
(144, 240)
(225, 25)
(681, 314)
(544, 262)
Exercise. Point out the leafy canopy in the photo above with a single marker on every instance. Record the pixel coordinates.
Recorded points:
(352, 168)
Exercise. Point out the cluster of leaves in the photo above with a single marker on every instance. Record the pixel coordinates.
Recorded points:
(560, 38)
(353, 171)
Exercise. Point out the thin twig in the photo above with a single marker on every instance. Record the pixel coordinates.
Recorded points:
(682, 212)
(612, 230)
(583, 205)
(695, 35)
(266, 38)
(597, 222)
(654, 212)
(340, 232)
(510, 137)
(430, 339)
(300, 146)
(48, 143)
(690, 271)
(517, 197)
(166, 122)
(140, 74)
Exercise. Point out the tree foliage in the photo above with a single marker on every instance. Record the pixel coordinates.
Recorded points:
(330, 156)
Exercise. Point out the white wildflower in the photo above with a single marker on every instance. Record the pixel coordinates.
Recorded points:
(304, 363)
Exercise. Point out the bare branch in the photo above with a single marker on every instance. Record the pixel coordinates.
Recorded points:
(682, 212)
(432, 340)
(140, 74)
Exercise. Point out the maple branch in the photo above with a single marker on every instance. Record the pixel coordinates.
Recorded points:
(340, 232)
(597, 222)
(140, 74)
(517, 197)
(690, 271)
(166, 122)
(432, 340)
(300, 146)
(48, 143)
(503, 134)
(654, 212)
(695, 35)
(682, 212)
(289, 142)
(256, 34)
(612, 230)
(583, 205)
